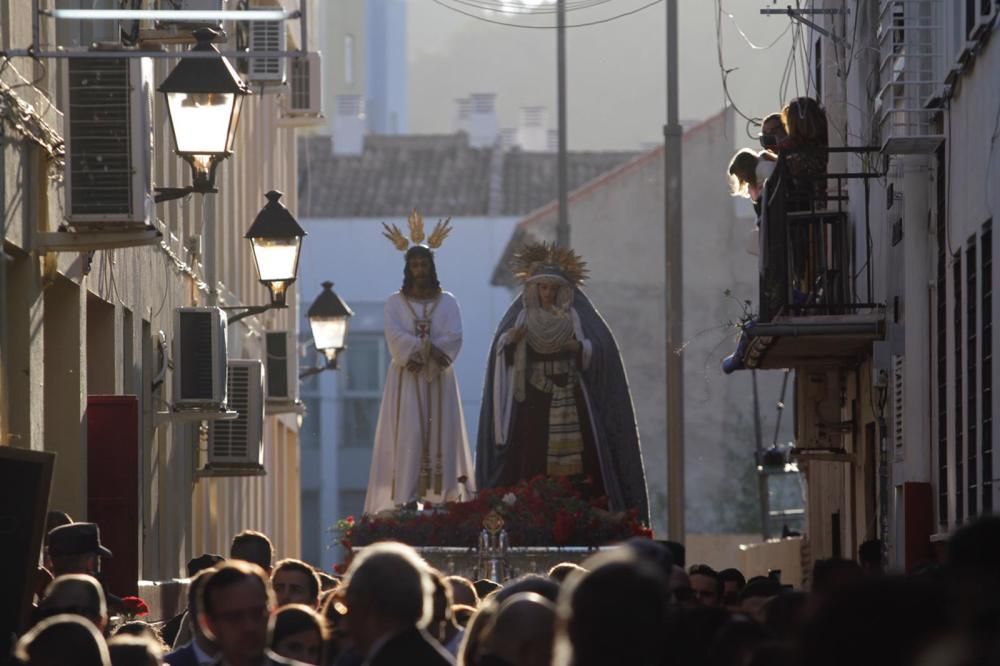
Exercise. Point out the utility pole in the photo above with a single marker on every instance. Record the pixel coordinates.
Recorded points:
(562, 226)
(762, 477)
(674, 290)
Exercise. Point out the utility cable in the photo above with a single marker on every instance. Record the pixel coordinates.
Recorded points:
(547, 27)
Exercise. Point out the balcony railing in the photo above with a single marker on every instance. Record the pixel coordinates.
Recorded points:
(910, 41)
(809, 308)
(805, 259)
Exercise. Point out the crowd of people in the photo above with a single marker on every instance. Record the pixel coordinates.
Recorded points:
(633, 604)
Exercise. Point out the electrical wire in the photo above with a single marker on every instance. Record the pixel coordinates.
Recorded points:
(525, 10)
(547, 27)
(747, 39)
(724, 72)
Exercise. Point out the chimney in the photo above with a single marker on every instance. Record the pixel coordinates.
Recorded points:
(483, 128)
(553, 140)
(349, 125)
(508, 138)
(463, 111)
(531, 133)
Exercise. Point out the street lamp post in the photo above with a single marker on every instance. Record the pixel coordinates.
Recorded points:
(204, 98)
(276, 241)
(328, 318)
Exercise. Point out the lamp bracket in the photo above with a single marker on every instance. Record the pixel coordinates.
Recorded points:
(330, 365)
(171, 193)
(83, 241)
(250, 310)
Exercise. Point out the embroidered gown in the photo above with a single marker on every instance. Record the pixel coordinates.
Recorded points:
(421, 448)
(550, 431)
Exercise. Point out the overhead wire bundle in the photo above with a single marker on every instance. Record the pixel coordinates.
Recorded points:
(482, 10)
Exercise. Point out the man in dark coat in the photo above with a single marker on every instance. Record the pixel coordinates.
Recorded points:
(389, 600)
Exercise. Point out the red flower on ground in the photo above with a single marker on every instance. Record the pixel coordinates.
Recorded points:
(135, 606)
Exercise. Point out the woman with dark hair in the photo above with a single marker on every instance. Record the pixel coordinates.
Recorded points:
(297, 632)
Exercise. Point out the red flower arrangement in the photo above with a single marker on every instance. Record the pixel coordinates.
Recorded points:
(544, 511)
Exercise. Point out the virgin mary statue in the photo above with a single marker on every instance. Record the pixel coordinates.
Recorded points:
(556, 400)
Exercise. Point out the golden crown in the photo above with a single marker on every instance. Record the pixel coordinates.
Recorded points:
(416, 224)
(535, 259)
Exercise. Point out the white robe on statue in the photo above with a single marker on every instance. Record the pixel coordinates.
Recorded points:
(421, 448)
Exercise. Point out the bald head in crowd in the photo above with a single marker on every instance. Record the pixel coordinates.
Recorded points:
(522, 632)
(622, 595)
(76, 594)
(61, 640)
(389, 600)
(391, 586)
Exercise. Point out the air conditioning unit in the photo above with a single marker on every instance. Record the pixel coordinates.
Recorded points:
(267, 36)
(282, 368)
(199, 359)
(236, 446)
(183, 29)
(109, 142)
(302, 104)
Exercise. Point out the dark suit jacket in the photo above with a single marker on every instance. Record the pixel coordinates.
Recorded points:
(182, 656)
(414, 647)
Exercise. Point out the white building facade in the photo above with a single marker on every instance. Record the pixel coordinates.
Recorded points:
(895, 430)
(78, 328)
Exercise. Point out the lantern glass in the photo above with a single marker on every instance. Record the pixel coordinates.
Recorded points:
(202, 123)
(277, 258)
(329, 333)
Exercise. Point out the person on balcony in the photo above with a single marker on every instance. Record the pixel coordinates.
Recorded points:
(772, 132)
(556, 401)
(748, 171)
(805, 151)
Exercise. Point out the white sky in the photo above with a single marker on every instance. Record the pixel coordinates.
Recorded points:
(616, 71)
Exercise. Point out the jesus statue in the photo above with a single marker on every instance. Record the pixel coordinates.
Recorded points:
(421, 448)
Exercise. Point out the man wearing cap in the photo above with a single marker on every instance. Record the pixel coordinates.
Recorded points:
(76, 549)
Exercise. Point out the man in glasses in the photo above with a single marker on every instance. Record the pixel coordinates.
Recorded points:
(236, 601)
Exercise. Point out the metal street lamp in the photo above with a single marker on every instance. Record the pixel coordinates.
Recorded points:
(204, 97)
(276, 240)
(328, 318)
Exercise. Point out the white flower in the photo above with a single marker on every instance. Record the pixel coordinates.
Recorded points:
(510, 499)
